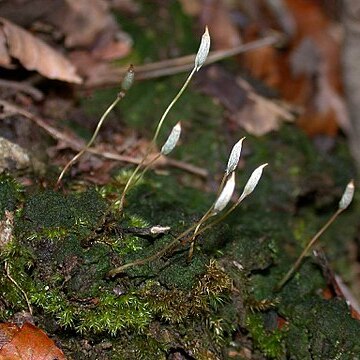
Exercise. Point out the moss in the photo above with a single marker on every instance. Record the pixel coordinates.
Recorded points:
(89, 278)
(140, 347)
(116, 313)
(179, 304)
(323, 329)
(269, 342)
(49, 210)
(183, 275)
(10, 193)
(53, 302)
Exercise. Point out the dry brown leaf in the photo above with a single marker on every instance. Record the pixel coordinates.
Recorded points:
(254, 113)
(191, 7)
(307, 73)
(26, 343)
(219, 83)
(90, 24)
(260, 115)
(216, 16)
(324, 107)
(36, 55)
(5, 59)
(85, 24)
(85, 19)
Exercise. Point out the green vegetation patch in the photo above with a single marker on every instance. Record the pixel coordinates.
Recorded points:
(10, 193)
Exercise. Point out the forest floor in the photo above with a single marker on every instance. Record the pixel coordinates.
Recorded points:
(59, 245)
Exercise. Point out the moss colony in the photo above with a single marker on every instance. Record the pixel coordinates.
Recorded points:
(220, 306)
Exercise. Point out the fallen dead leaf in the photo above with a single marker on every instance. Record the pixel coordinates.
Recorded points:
(34, 54)
(260, 115)
(224, 33)
(306, 73)
(252, 112)
(27, 343)
(215, 81)
(191, 7)
(83, 24)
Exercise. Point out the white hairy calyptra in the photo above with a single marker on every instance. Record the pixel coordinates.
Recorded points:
(252, 182)
(234, 157)
(172, 140)
(128, 79)
(225, 195)
(347, 196)
(203, 50)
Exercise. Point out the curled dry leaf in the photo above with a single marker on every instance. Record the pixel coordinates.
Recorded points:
(260, 115)
(254, 113)
(27, 343)
(308, 72)
(225, 195)
(217, 16)
(34, 54)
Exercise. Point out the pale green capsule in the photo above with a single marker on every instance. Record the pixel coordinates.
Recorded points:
(203, 50)
(172, 140)
(252, 182)
(347, 196)
(225, 195)
(234, 157)
(128, 79)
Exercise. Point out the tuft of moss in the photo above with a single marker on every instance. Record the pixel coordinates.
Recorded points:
(209, 293)
(270, 342)
(53, 211)
(10, 193)
(323, 329)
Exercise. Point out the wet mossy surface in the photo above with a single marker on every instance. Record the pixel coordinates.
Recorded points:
(65, 244)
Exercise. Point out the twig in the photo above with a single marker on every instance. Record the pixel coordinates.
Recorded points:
(20, 86)
(184, 63)
(75, 145)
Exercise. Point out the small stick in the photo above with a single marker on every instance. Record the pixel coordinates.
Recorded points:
(73, 144)
(24, 87)
(185, 63)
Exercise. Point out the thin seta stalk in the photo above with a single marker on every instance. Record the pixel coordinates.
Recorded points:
(166, 149)
(125, 86)
(199, 61)
(232, 164)
(343, 205)
(248, 189)
(132, 180)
